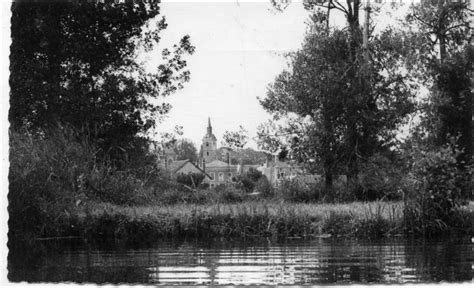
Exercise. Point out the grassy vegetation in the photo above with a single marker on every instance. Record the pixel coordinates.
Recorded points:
(59, 187)
(135, 224)
(243, 220)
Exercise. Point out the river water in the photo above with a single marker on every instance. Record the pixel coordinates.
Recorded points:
(291, 262)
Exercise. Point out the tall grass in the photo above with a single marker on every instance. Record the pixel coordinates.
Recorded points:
(241, 220)
(55, 173)
(43, 176)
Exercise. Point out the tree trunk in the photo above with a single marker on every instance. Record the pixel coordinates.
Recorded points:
(328, 181)
(442, 49)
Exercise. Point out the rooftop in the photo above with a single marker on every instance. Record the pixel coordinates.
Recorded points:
(176, 165)
(218, 163)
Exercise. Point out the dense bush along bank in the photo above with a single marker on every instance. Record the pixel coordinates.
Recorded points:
(60, 187)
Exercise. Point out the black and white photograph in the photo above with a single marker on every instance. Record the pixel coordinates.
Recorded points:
(217, 143)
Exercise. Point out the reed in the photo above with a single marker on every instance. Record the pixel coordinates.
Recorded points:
(239, 220)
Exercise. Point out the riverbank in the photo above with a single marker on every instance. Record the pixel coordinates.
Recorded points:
(60, 189)
(257, 219)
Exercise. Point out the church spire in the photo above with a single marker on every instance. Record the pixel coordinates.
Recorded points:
(209, 127)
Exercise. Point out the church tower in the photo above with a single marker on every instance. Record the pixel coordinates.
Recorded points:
(209, 145)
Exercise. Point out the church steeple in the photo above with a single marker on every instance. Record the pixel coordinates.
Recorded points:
(209, 127)
(209, 144)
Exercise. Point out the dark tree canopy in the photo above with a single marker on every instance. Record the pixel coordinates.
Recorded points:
(185, 149)
(441, 56)
(76, 62)
(339, 109)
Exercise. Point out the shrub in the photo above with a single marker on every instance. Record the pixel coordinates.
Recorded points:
(173, 196)
(204, 186)
(434, 196)
(245, 183)
(121, 188)
(229, 194)
(380, 178)
(265, 187)
(249, 179)
(190, 179)
(44, 173)
(295, 191)
(54, 172)
(253, 174)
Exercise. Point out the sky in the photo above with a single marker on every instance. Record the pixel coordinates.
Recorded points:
(240, 49)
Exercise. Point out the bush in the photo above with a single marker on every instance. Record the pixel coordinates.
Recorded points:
(53, 173)
(245, 183)
(339, 193)
(253, 174)
(190, 179)
(229, 194)
(265, 187)
(435, 194)
(295, 191)
(44, 173)
(380, 179)
(249, 179)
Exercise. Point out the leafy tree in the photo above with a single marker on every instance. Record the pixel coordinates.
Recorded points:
(248, 156)
(76, 62)
(253, 157)
(225, 154)
(185, 149)
(234, 143)
(441, 56)
(235, 140)
(333, 116)
(298, 127)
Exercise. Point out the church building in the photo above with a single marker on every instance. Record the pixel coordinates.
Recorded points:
(209, 145)
(220, 172)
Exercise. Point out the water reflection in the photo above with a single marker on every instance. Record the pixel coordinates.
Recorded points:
(294, 262)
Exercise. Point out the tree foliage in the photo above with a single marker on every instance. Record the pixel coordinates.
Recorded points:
(77, 62)
(235, 140)
(435, 193)
(247, 156)
(441, 58)
(339, 110)
(249, 179)
(185, 149)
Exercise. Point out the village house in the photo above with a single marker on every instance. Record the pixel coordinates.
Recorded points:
(167, 159)
(219, 172)
(278, 171)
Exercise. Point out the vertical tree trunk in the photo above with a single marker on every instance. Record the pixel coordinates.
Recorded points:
(328, 180)
(442, 48)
